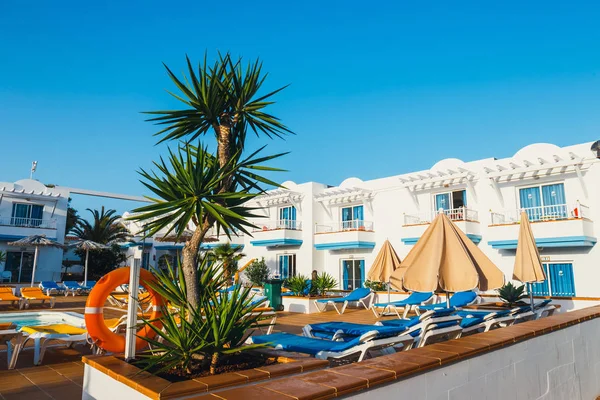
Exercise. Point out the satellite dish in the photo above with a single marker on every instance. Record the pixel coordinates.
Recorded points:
(596, 148)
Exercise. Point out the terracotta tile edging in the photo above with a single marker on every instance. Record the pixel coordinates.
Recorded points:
(339, 381)
(159, 388)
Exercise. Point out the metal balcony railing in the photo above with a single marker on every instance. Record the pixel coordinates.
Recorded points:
(28, 222)
(455, 214)
(555, 212)
(343, 226)
(263, 226)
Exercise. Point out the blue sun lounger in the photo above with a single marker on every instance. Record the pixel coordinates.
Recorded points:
(363, 296)
(458, 300)
(415, 299)
(355, 348)
(73, 287)
(476, 321)
(51, 287)
(432, 326)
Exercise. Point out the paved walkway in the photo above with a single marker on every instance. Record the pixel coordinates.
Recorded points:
(61, 375)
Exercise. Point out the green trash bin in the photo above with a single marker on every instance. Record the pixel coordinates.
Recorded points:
(273, 293)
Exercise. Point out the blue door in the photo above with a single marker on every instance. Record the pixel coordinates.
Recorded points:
(531, 201)
(562, 282)
(541, 288)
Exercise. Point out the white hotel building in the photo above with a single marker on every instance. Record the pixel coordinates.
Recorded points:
(340, 229)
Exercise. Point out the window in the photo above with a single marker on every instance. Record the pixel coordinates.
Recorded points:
(353, 274)
(353, 218)
(286, 265)
(287, 218)
(559, 281)
(545, 202)
(450, 200)
(27, 214)
(20, 264)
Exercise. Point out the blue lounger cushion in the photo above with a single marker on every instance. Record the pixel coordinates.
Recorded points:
(302, 344)
(50, 285)
(414, 299)
(350, 329)
(458, 299)
(355, 295)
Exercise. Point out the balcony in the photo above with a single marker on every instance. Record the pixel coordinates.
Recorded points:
(13, 228)
(279, 233)
(355, 234)
(466, 219)
(562, 225)
(213, 239)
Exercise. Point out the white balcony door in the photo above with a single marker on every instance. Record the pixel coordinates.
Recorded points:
(353, 274)
(353, 217)
(27, 214)
(286, 265)
(287, 217)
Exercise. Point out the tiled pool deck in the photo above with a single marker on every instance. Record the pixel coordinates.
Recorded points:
(61, 375)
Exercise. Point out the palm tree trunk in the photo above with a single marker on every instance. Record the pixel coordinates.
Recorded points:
(224, 141)
(190, 266)
(214, 363)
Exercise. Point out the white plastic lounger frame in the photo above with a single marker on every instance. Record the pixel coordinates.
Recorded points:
(437, 335)
(489, 323)
(546, 311)
(391, 308)
(41, 341)
(366, 302)
(12, 350)
(264, 316)
(368, 343)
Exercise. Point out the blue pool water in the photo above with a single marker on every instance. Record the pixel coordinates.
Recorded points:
(43, 318)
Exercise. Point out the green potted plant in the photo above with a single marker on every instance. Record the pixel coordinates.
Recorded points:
(511, 294)
(376, 286)
(298, 285)
(323, 282)
(258, 272)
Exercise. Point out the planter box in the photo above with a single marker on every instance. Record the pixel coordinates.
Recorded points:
(106, 377)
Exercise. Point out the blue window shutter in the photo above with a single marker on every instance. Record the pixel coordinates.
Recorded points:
(464, 193)
(554, 200)
(561, 280)
(358, 213)
(362, 273)
(345, 267)
(530, 198)
(293, 213)
(541, 288)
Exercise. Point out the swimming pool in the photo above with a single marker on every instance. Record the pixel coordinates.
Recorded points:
(38, 318)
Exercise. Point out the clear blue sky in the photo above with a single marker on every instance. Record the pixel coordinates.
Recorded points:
(376, 89)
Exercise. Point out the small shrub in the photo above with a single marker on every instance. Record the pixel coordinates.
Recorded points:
(298, 284)
(258, 272)
(512, 294)
(323, 282)
(376, 286)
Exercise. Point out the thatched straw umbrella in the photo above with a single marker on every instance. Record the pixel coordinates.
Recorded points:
(36, 241)
(88, 245)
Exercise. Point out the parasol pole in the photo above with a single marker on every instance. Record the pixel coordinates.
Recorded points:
(35, 258)
(87, 255)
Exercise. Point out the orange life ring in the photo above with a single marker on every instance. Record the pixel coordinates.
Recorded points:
(94, 316)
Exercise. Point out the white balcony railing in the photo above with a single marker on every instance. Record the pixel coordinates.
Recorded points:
(354, 225)
(28, 222)
(455, 214)
(545, 213)
(263, 226)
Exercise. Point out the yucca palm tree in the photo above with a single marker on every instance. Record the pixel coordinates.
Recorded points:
(223, 99)
(189, 193)
(229, 255)
(104, 227)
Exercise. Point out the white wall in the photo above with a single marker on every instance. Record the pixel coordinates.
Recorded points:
(55, 202)
(560, 365)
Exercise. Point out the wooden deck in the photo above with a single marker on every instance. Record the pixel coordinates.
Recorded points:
(61, 375)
